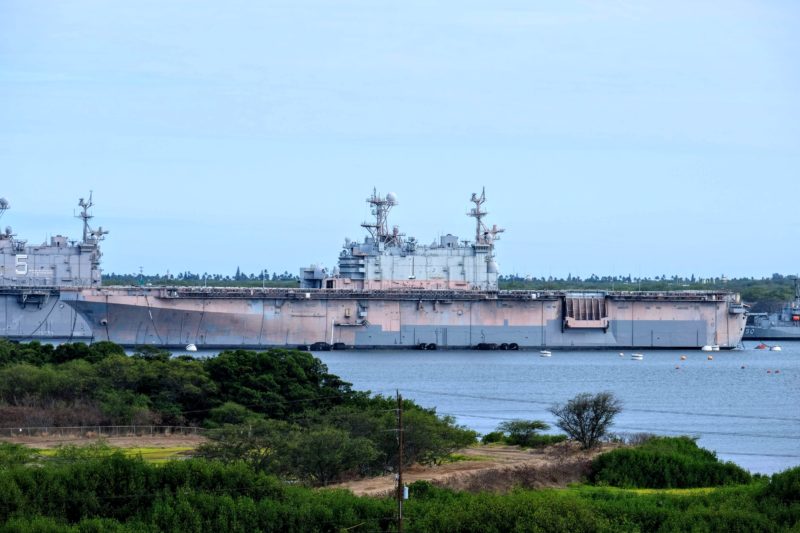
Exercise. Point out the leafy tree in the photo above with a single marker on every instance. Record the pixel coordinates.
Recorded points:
(265, 445)
(522, 432)
(323, 454)
(587, 417)
(126, 407)
(231, 413)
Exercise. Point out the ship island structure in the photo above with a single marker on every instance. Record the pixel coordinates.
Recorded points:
(386, 292)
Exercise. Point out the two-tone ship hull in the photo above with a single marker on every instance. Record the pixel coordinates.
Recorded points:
(226, 318)
(772, 333)
(38, 313)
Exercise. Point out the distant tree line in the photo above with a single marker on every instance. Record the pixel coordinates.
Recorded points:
(767, 294)
(188, 278)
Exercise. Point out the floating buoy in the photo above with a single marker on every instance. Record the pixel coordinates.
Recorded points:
(775, 349)
(637, 356)
(762, 346)
(621, 354)
(777, 371)
(769, 371)
(742, 366)
(710, 357)
(545, 353)
(683, 358)
(191, 348)
(677, 367)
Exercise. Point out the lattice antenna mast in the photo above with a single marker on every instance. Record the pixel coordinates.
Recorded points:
(380, 207)
(90, 236)
(483, 235)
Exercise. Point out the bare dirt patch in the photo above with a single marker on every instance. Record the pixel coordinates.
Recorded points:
(496, 468)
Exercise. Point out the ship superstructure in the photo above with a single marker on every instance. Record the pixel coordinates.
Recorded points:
(387, 260)
(387, 291)
(32, 278)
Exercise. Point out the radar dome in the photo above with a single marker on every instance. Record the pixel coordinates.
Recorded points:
(391, 198)
(492, 267)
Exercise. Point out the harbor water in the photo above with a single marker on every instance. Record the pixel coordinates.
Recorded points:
(743, 404)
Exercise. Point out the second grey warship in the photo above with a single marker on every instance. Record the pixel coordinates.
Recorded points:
(387, 291)
(784, 325)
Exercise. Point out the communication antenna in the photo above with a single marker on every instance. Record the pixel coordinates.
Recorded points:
(90, 236)
(483, 235)
(380, 207)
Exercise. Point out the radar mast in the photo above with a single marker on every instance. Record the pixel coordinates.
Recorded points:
(379, 229)
(483, 235)
(90, 236)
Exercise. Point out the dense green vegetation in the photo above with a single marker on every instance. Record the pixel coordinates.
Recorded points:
(279, 410)
(279, 423)
(88, 492)
(663, 463)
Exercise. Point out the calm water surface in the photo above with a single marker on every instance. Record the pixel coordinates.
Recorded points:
(744, 404)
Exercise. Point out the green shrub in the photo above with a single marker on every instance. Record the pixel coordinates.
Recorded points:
(493, 437)
(785, 486)
(665, 462)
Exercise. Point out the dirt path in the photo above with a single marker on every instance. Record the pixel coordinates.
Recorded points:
(155, 441)
(495, 468)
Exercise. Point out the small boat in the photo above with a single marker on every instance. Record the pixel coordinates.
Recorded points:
(191, 348)
(775, 349)
(637, 356)
(715, 347)
(710, 348)
(545, 353)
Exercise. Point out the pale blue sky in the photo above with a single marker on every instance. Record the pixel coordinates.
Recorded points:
(640, 138)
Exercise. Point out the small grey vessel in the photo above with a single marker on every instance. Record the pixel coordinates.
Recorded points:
(776, 326)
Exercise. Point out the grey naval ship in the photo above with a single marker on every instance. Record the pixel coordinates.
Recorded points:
(776, 326)
(387, 291)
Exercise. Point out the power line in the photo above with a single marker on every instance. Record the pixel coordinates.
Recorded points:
(638, 410)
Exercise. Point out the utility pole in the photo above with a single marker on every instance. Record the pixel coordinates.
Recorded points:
(400, 488)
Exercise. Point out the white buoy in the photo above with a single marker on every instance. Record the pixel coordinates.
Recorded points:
(621, 354)
(191, 348)
(775, 349)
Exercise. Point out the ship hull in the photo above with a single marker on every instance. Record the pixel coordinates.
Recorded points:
(774, 333)
(370, 320)
(40, 314)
